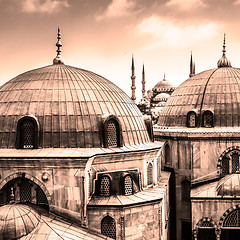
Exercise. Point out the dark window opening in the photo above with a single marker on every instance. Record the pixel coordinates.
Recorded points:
(128, 185)
(112, 133)
(150, 174)
(167, 154)
(108, 227)
(191, 119)
(207, 119)
(105, 186)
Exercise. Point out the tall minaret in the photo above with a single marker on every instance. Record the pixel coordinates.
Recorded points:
(192, 67)
(133, 77)
(143, 83)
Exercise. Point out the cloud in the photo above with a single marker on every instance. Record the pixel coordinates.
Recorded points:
(162, 32)
(186, 4)
(46, 6)
(117, 9)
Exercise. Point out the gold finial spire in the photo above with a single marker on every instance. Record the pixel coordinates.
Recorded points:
(58, 59)
(224, 61)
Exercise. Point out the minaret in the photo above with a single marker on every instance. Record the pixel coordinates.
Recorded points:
(133, 77)
(192, 67)
(58, 59)
(143, 83)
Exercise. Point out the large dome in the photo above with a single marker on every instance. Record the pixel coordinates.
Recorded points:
(216, 90)
(69, 104)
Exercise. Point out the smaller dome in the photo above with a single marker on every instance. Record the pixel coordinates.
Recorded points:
(162, 97)
(17, 220)
(229, 185)
(163, 86)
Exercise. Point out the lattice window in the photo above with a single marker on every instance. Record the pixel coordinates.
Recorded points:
(27, 134)
(233, 219)
(41, 197)
(25, 191)
(225, 166)
(167, 154)
(235, 162)
(206, 224)
(105, 186)
(108, 227)
(185, 190)
(112, 134)
(191, 119)
(140, 181)
(128, 185)
(207, 119)
(150, 174)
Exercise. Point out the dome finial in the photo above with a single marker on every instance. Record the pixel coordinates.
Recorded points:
(58, 59)
(223, 61)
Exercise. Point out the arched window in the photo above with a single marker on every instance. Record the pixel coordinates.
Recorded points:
(207, 119)
(113, 133)
(191, 119)
(105, 186)
(230, 163)
(167, 154)
(225, 165)
(233, 219)
(185, 190)
(27, 133)
(149, 174)
(128, 185)
(108, 227)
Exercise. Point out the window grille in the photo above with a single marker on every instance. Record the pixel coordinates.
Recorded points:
(112, 134)
(140, 181)
(167, 154)
(41, 197)
(185, 189)
(128, 186)
(206, 224)
(235, 162)
(192, 119)
(207, 119)
(25, 191)
(150, 174)
(105, 186)
(225, 166)
(233, 219)
(108, 227)
(27, 134)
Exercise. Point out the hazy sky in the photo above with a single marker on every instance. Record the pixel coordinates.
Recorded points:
(101, 36)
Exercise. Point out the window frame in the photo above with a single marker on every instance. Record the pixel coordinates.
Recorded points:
(188, 119)
(105, 122)
(204, 114)
(36, 129)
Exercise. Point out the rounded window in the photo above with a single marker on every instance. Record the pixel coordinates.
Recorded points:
(105, 186)
(108, 227)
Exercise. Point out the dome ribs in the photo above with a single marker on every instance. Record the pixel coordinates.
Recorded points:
(68, 103)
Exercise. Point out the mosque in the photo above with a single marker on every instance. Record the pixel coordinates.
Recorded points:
(77, 160)
(200, 128)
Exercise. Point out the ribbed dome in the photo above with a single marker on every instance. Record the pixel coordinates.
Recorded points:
(229, 185)
(217, 90)
(163, 85)
(69, 104)
(17, 220)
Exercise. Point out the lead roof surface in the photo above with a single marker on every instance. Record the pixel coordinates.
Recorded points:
(68, 102)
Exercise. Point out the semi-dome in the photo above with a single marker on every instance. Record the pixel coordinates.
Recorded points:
(17, 220)
(69, 106)
(208, 99)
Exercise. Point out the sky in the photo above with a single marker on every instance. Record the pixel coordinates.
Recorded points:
(102, 35)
